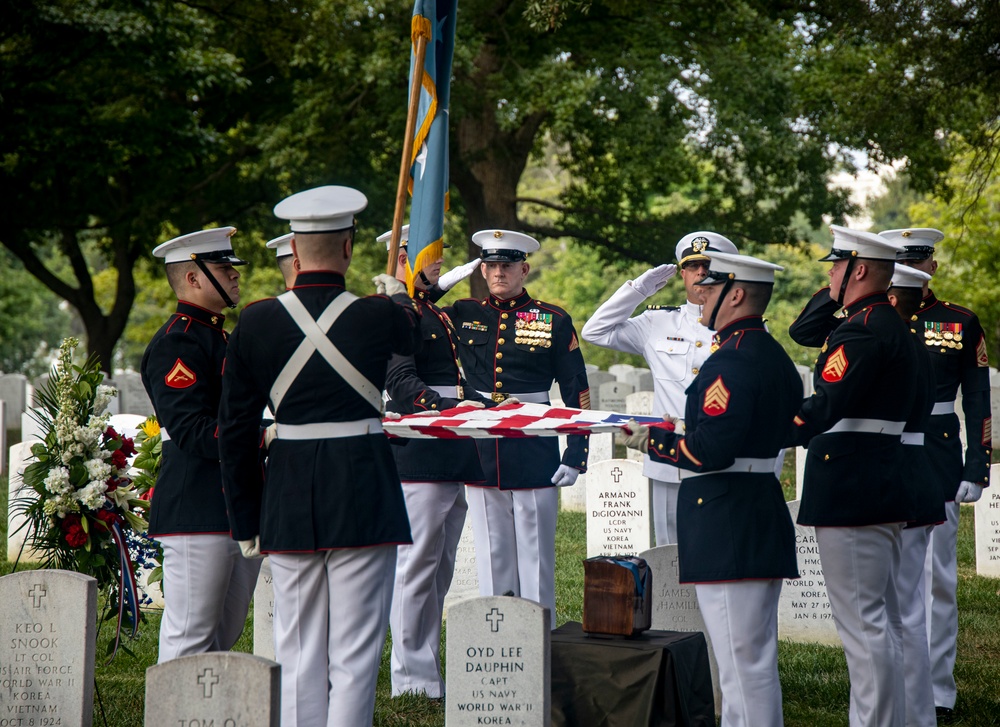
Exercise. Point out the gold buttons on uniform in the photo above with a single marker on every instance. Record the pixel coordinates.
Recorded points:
(913, 318)
(700, 501)
(697, 344)
(503, 326)
(659, 446)
(695, 371)
(532, 348)
(826, 457)
(504, 316)
(434, 335)
(499, 385)
(470, 341)
(434, 406)
(499, 370)
(946, 435)
(673, 451)
(423, 401)
(500, 341)
(499, 354)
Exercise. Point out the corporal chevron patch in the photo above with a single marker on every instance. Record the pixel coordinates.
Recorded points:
(982, 357)
(180, 376)
(716, 398)
(836, 366)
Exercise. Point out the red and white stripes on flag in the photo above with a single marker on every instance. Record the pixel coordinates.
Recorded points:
(516, 421)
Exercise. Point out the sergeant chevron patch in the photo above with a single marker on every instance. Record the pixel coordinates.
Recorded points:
(836, 366)
(180, 376)
(716, 398)
(982, 358)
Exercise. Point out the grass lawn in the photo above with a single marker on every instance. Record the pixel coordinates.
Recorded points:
(813, 678)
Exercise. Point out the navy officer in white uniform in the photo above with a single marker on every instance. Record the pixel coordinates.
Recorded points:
(675, 343)
(736, 541)
(513, 345)
(207, 583)
(330, 512)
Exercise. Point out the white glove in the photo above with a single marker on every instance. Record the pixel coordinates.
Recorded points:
(385, 284)
(635, 435)
(392, 416)
(428, 413)
(968, 492)
(270, 434)
(473, 404)
(654, 279)
(509, 401)
(251, 548)
(565, 476)
(456, 275)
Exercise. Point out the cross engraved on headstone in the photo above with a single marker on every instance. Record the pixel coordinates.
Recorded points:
(676, 567)
(617, 474)
(37, 593)
(494, 617)
(207, 680)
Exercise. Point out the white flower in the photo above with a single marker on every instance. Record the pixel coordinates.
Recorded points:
(59, 506)
(92, 496)
(97, 469)
(103, 397)
(58, 481)
(122, 496)
(87, 436)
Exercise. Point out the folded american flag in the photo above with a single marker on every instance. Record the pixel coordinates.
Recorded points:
(518, 420)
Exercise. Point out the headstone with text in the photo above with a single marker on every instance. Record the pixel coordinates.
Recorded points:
(498, 663)
(465, 579)
(641, 379)
(217, 689)
(17, 523)
(48, 630)
(675, 605)
(612, 395)
(574, 499)
(619, 510)
(988, 528)
(263, 613)
(804, 613)
(14, 391)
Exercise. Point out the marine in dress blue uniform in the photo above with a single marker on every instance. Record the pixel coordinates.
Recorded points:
(853, 492)
(954, 338)
(331, 511)
(736, 541)
(434, 473)
(282, 246)
(207, 584)
(511, 344)
(675, 344)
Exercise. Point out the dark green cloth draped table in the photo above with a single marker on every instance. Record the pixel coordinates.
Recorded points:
(659, 678)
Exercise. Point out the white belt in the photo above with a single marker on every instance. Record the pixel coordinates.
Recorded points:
(534, 397)
(742, 464)
(943, 407)
(450, 391)
(164, 437)
(915, 438)
(867, 426)
(329, 430)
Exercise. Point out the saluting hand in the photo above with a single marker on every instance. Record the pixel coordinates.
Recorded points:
(456, 275)
(654, 279)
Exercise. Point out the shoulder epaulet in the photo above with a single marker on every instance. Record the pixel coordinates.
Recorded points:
(663, 307)
(957, 308)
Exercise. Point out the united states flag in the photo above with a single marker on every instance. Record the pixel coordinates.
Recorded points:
(516, 421)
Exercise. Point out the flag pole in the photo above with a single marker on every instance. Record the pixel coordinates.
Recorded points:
(420, 52)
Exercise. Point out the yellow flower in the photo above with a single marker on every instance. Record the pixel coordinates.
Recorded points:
(150, 427)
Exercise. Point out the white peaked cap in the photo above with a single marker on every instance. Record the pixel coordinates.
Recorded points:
(282, 246)
(321, 209)
(739, 268)
(903, 276)
(212, 245)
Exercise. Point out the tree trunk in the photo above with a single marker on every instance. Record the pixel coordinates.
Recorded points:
(488, 162)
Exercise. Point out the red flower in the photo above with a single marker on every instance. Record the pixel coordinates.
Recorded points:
(128, 447)
(112, 483)
(71, 522)
(108, 516)
(76, 538)
(110, 433)
(119, 460)
(147, 495)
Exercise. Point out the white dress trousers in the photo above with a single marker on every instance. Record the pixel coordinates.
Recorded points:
(330, 619)
(423, 576)
(860, 565)
(515, 536)
(665, 510)
(742, 621)
(942, 605)
(912, 611)
(207, 587)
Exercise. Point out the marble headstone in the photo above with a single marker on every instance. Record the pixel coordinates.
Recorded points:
(638, 403)
(620, 370)
(3, 436)
(804, 613)
(619, 510)
(641, 379)
(14, 391)
(498, 663)
(988, 528)
(675, 605)
(31, 430)
(612, 395)
(263, 613)
(574, 499)
(17, 524)
(221, 689)
(48, 630)
(465, 580)
(807, 379)
(132, 394)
